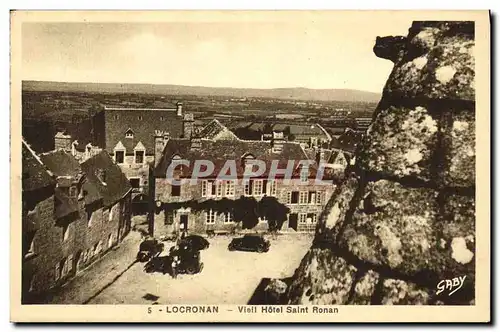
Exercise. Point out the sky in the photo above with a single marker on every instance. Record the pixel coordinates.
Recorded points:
(322, 53)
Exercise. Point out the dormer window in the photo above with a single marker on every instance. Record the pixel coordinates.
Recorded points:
(139, 153)
(101, 175)
(119, 151)
(129, 133)
(246, 161)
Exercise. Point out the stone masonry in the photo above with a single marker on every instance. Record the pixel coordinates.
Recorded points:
(404, 219)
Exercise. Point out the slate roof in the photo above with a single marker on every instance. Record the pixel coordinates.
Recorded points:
(34, 174)
(64, 205)
(61, 163)
(116, 185)
(143, 123)
(220, 151)
(296, 129)
(216, 130)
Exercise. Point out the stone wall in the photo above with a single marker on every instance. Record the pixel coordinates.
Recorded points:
(404, 220)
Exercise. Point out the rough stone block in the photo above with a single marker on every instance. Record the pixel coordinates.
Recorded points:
(399, 292)
(393, 227)
(335, 210)
(459, 143)
(322, 278)
(400, 142)
(364, 288)
(437, 65)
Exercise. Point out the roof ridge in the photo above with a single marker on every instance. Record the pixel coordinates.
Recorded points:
(35, 155)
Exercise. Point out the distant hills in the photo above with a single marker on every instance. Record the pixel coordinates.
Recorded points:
(346, 95)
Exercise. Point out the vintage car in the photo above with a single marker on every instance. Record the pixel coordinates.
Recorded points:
(194, 242)
(148, 249)
(249, 243)
(188, 261)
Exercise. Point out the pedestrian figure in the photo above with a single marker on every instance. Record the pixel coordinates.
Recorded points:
(175, 263)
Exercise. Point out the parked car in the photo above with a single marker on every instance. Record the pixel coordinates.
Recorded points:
(194, 242)
(188, 261)
(249, 243)
(148, 249)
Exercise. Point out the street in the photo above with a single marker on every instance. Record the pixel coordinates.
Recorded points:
(227, 277)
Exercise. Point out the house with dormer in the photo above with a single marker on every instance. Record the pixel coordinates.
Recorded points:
(127, 134)
(186, 206)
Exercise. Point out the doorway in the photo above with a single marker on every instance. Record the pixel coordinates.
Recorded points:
(183, 223)
(293, 221)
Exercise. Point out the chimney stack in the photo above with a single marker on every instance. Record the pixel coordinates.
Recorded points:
(161, 139)
(195, 143)
(179, 108)
(277, 142)
(188, 126)
(62, 141)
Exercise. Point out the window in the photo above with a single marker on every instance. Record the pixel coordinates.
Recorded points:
(219, 188)
(302, 218)
(176, 190)
(207, 188)
(271, 187)
(73, 191)
(65, 232)
(169, 218)
(119, 157)
(293, 197)
(129, 134)
(248, 186)
(204, 188)
(210, 216)
(139, 157)
(230, 188)
(228, 218)
(139, 117)
(303, 197)
(311, 218)
(110, 214)
(257, 187)
(161, 118)
(115, 117)
(312, 197)
(319, 197)
(135, 183)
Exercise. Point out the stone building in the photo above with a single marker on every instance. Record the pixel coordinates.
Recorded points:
(72, 214)
(175, 210)
(404, 219)
(127, 134)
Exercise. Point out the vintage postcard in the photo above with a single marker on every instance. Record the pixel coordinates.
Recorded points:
(250, 166)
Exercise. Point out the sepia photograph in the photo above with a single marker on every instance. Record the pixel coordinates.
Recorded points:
(250, 166)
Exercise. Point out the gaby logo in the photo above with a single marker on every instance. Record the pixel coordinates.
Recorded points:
(253, 168)
(452, 285)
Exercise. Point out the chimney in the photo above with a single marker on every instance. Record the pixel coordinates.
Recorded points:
(195, 143)
(179, 108)
(277, 142)
(62, 141)
(320, 155)
(161, 139)
(188, 126)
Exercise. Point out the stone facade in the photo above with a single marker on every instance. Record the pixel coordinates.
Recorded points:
(405, 217)
(316, 196)
(57, 245)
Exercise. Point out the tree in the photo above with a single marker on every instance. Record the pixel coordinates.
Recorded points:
(245, 209)
(273, 211)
